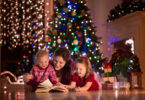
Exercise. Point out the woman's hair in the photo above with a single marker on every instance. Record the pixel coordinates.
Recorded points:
(63, 52)
(40, 54)
(87, 62)
(66, 70)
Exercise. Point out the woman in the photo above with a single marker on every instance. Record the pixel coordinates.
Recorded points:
(63, 64)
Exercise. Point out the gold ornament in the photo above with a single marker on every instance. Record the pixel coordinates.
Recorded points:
(83, 13)
(59, 41)
(69, 25)
(62, 2)
(73, 13)
(75, 42)
(78, 27)
(59, 15)
(65, 10)
(54, 32)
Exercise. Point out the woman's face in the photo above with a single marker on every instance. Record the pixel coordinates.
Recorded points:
(59, 63)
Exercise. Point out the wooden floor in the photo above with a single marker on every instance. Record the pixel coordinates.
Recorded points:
(93, 95)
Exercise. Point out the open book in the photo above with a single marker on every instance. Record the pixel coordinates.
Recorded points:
(47, 86)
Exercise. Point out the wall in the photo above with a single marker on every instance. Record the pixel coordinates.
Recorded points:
(0, 38)
(99, 10)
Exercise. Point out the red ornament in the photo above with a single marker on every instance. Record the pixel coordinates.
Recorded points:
(79, 34)
(107, 65)
(27, 57)
(78, 27)
(80, 42)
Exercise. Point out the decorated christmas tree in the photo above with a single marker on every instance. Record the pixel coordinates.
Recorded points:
(22, 26)
(72, 27)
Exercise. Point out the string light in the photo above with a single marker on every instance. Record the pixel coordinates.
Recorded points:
(23, 21)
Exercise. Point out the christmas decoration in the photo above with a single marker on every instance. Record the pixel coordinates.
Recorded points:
(22, 26)
(75, 42)
(108, 75)
(22, 23)
(59, 41)
(76, 31)
(62, 2)
(123, 62)
(126, 7)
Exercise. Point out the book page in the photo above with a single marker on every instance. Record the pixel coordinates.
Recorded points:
(45, 84)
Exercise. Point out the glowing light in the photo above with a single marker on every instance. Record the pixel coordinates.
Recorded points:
(131, 42)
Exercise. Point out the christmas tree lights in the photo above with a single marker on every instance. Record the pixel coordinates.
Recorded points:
(72, 27)
(23, 23)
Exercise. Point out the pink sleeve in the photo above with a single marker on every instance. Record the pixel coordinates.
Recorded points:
(32, 82)
(32, 71)
(52, 75)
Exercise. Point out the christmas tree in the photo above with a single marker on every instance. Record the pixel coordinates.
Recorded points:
(72, 27)
(22, 26)
(22, 23)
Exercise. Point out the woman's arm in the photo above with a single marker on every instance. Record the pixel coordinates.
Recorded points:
(84, 88)
(71, 86)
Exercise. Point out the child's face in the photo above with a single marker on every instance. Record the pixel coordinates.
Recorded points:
(81, 69)
(44, 61)
(59, 62)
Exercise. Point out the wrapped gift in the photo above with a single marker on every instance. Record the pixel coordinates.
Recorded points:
(107, 86)
(108, 75)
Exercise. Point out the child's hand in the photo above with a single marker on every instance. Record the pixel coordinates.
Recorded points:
(27, 77)
(78, 89)
(60, 84)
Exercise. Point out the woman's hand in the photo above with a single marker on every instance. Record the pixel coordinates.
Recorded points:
(78, 89)
(27, 77)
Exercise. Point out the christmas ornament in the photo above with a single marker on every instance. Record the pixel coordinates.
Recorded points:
(69, 25)
(62, 2)
(59, 41)
(75, 42)
(65, 10)
(83, 13)
(79, 34)
(59, 15)
(78, 27)
(73, 13)
(108, 75)
(54, 32)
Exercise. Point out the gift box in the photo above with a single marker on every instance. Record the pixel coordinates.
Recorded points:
(107, 86)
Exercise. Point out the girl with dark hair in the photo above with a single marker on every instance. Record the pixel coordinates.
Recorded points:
(63, 64)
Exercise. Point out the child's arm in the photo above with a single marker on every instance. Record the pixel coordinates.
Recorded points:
(52, 76)
(71, 86)
(27, 77)
(84, 88)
